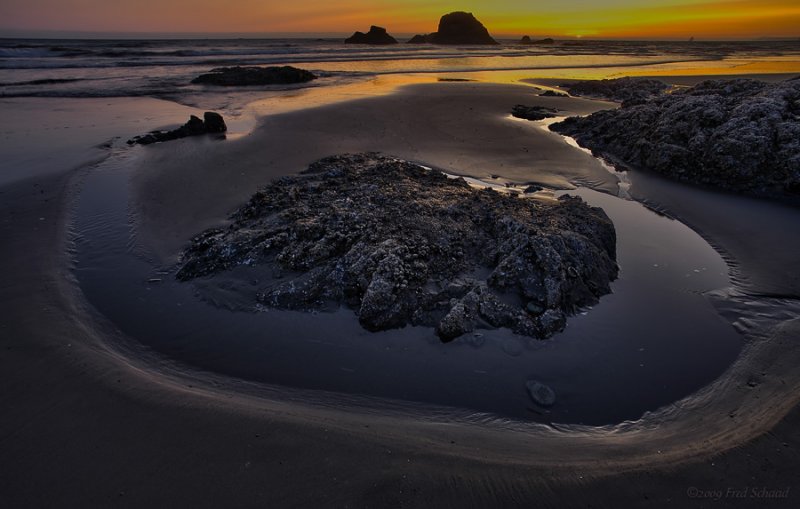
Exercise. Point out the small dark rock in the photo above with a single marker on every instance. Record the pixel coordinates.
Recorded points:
(540, 393)
(553, 93)
(213, 124)
(533, 112)
(194, 126)
(376, 36)
(532, 189)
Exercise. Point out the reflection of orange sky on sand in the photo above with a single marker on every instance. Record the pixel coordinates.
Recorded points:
(728, 67)
(281, 102)
(563, 18)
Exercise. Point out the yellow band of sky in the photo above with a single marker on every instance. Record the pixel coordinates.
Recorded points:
(555, 18)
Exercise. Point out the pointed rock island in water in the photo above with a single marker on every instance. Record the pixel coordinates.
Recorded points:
(401, 244)
(526, 39)
(376, 35)
(457, 28)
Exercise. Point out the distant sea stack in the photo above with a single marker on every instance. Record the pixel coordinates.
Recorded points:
(376, 35)
(527, 40)
(457, 28)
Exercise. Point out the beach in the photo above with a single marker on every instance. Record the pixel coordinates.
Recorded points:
(100, 417)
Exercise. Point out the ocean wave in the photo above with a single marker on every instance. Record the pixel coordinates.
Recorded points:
(55, 68)
(46, 81)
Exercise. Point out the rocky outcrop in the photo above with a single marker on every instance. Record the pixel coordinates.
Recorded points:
(739, 135)
(250, 76)
(624, 90)
(376, 36)
(401, 244)
(212, 123)
(457, 28)
(533, 112)
(526, 40)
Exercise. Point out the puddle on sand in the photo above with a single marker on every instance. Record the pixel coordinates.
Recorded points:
(654, 340)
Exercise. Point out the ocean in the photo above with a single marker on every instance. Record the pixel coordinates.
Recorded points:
(164, 68)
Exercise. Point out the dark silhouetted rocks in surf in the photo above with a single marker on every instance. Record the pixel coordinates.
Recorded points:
(533, 112)
(420, 39)
(527, 41)
(739, 135)
(401, 244)
(376, 35)
(250, 76)
(624, 90)
(457, 28)
(212, 123)
(461, 28)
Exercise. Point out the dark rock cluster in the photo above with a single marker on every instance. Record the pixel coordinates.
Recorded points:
(420, 39)
(401, 244)
(249, 76)
(526, 40)
(375, 36)
(212, 123)
(624, 90)
(457, 28)
(740, 135)
(533, 112)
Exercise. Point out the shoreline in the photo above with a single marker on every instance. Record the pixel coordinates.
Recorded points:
(134, 394)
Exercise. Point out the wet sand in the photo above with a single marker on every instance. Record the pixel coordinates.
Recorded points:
(96, 420)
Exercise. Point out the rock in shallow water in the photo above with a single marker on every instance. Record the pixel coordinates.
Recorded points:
(250, 76)
(212, 123)
(401, 244)
(541, 393)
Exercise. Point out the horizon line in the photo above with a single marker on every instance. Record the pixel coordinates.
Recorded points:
(100, 35)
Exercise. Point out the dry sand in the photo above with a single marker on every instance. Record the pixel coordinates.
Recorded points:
(92, 420)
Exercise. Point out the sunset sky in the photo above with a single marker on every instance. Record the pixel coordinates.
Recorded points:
(559, 18)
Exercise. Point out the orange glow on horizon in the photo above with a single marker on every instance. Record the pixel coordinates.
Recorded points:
(566, 18)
